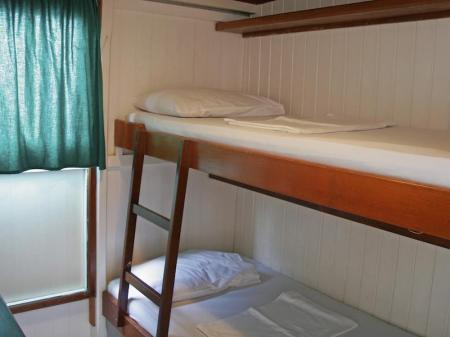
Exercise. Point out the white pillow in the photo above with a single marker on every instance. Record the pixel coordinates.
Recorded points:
(208, 103)
(200, 273)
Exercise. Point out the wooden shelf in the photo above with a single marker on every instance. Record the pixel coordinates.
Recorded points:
(357, 14)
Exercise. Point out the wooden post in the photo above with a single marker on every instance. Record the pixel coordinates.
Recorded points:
(130, 231)
(173, 243)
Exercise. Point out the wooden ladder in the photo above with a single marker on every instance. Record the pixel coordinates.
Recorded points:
(172, 225)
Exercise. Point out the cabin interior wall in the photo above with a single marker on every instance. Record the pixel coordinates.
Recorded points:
(395, 72)
(374, 72)
(149, 45)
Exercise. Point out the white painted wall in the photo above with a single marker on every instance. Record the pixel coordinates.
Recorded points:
(393, 72)
(68, 320)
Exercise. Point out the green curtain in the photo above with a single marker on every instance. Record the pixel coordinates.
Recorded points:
(51, 111)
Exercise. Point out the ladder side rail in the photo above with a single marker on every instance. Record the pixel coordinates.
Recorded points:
(130, 231)
(173, 243)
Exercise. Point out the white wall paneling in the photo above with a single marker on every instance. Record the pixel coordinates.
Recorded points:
(68, 320)
(152, 51)
(396, 72)
(393, 72)
(397, 279)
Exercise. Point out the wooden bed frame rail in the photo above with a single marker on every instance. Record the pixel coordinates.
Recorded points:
(404, 207)
(412, 209)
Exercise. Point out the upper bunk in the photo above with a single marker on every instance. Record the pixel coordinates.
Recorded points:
(395, 179)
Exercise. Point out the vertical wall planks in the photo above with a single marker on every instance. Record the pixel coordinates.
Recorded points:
(393, 72)
(404, 73)
(370, 74)
(232, 47)
(340, 269)
(440, 99)
(276, 57)
(159, 49)
(337, 71)
(311, 72)
(206, 70)
(151, 51)
(371, 269)
(423, 73)
(180, 53)
(244, 232)
(288, 6)
(387, 61)
(274, 213)
(423, 280)
(298, 69)
(355, 265)
(311, 260)
(404, 282)
(254, 72)
(301, 5)
(323, 85)
(277, 6)
(440, 296)
(327, 254)
(246, 66)
(286, 72)
(300, 250)
(290, 239)
(386, 275)
(264, 70)
(267, 8)
(142, 64)
(353, 67)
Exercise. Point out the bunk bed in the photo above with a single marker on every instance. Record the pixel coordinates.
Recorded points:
(409, 196)
(412, 202)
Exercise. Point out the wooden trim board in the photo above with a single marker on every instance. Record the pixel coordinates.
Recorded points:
(408, 206)
(349, 15)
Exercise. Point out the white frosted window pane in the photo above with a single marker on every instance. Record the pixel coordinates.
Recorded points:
(42, 234)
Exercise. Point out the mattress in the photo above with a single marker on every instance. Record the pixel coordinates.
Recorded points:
(421, 156)
(187, 315)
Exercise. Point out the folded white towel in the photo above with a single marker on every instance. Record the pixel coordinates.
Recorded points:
(302, 126)
(290, 315)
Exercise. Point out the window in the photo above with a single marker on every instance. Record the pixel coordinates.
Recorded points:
(43, 235)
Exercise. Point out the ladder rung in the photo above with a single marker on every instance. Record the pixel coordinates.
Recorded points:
(144, 288)
(149, 215)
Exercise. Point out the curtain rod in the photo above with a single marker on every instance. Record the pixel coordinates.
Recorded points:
(205, 7)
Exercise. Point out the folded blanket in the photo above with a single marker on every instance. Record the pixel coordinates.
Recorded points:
(290, 315)
(301, 126)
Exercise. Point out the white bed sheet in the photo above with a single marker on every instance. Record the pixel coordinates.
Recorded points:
(187, 315)
(418, 155)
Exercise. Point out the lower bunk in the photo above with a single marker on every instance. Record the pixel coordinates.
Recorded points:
(187, 316)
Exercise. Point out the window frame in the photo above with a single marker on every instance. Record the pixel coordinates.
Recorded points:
(90, 292)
